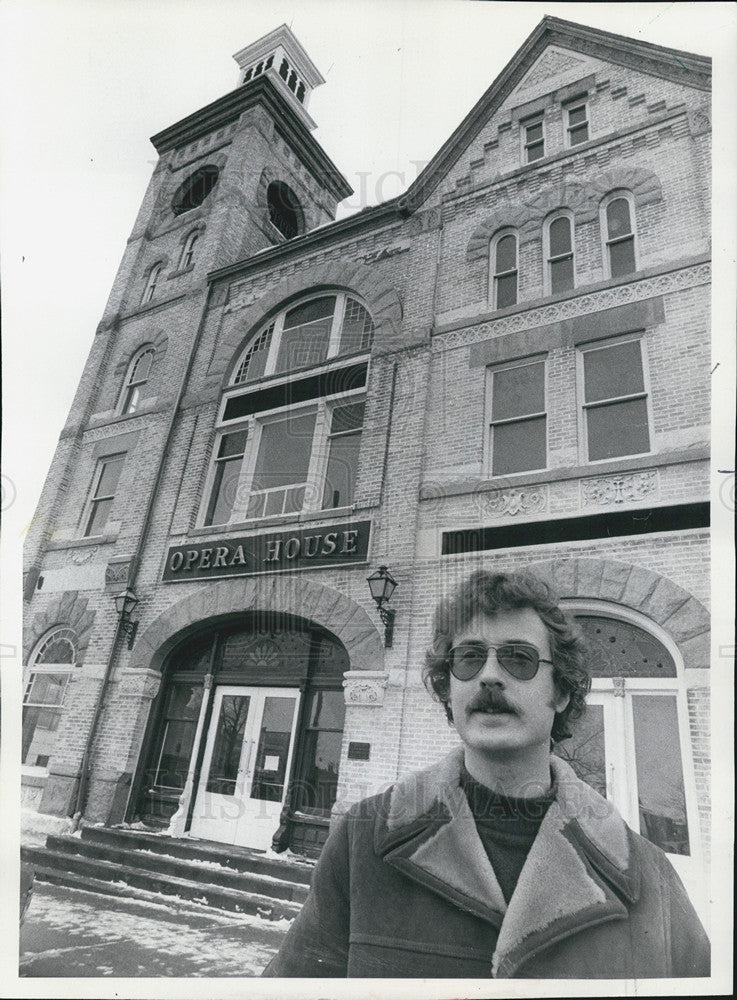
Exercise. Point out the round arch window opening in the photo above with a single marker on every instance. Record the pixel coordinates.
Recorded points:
(193, 191)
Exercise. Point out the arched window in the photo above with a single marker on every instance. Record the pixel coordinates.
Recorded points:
(618, 215)
(136, 377)
(187, 259)
(285, 212)
(293, 444)
(49, 670)
(632, 744)
(193, 191)
(558, 243)
(153, 280)
(503, 291)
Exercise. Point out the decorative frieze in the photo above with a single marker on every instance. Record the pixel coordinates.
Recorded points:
(580, 305)
(512, 502)
(607, 491)
(117, 573)
(365, 687)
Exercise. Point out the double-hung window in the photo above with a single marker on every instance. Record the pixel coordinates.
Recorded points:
(577, 121)
(291, 442)
(619, 239)
(104, 487)
(517, 417)
(615, 403)
(136, 378)
(533, 138)
(153, 280)
(559, 253)
(503, 291)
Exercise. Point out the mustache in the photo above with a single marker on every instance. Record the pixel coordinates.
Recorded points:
(490, 700)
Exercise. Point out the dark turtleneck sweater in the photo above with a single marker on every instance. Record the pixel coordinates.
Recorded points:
(507, 827)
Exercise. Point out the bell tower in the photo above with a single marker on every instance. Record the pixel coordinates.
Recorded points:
(239, 175)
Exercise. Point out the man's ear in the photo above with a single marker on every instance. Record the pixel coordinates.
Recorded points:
(560, 699)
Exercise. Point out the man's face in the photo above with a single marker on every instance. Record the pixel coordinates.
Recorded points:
(494, 713)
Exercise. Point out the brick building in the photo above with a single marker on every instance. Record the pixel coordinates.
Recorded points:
(506, 366)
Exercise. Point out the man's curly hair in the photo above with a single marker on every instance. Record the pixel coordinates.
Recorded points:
(485, 593)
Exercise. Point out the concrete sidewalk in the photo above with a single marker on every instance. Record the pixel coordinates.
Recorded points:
(71, 932)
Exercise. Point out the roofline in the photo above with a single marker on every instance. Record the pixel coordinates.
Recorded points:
(387, 212)
(682, 67)
(228, 109)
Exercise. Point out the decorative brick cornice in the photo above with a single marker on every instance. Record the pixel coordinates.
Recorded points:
(579, 305)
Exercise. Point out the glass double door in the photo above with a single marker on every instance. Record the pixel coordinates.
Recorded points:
(245, 769)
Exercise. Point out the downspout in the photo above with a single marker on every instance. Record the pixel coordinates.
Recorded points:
(84, 777)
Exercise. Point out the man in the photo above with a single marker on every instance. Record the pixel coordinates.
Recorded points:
(497, 861)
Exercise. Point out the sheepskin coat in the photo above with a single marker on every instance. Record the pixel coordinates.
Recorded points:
(404, 888)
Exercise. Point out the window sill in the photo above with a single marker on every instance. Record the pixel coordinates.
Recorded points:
(79, 543)
(32, 776)
(607, 467)
(304, 517)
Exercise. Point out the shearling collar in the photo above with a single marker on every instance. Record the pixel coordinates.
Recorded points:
(579, 869)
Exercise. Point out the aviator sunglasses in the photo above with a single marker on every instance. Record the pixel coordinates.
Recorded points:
(520, 659)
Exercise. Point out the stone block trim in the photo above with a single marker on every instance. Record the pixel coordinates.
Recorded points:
(582, 198)
(291, 595)
(661, 600)
(70, 610)
(381, 300)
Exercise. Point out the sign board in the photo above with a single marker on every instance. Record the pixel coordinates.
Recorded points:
(301, 548)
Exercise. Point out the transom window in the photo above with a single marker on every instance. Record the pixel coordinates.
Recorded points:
(43, 697)
(518, 419)
(136, 378)
(293, 445)
(533, 138)
(577, 122)
(559, 245)
(620, 235)
(307, 334)
(615, 403)
(504, 270)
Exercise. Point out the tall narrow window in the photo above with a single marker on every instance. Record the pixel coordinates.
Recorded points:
(224, 489)
(43, 698)
(518, 430)
(153, 280)
(105, 484)
(188, 251)
(577, 122)
(135, 380)
(560, 254)
(533, 138)
(615, 404)
(285, 212)
(504, 265)
(620, 237)
(346, 425)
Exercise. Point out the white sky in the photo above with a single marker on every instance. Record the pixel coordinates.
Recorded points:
(84, 84)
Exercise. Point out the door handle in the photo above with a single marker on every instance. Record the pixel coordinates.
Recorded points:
(249, 755)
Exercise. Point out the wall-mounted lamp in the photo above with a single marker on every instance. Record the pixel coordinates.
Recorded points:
(382, 585)
(125, 604)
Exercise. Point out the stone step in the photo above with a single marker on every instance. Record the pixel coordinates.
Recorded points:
(197, 870)
(68, 868)
(238, 858)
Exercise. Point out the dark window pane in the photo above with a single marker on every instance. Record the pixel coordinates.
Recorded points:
(518, 391)
(253, 364)
(358, 328)
(284, 452)
(561, 275)
(340, 478)
(317, 789)
(560, 237)
(109, 478)
(310, 311)
(233, 444)
(520, 446)
(273, 749)
(98, 516)
(304, 345)
(347, 418)
(506, 254)
(176, 751)
(622, 257)
(327, 710)
(660, 792)
(226, 752)
(618, 429)
(618, 218)
(506, 291)
(39, 733)
(224, 490)
(535, 152)
(584, 751)
(579, 134)
(47, 689)
(58, 650)
(577, 115)
(621, 649)
(613, 371)
(534, 132)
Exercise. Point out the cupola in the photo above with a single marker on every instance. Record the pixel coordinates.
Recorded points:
(280, 56)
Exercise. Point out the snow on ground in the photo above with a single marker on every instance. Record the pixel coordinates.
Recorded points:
(35, 827)
(71, 932)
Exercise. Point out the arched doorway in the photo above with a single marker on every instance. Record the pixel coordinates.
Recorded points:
(245, 735)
